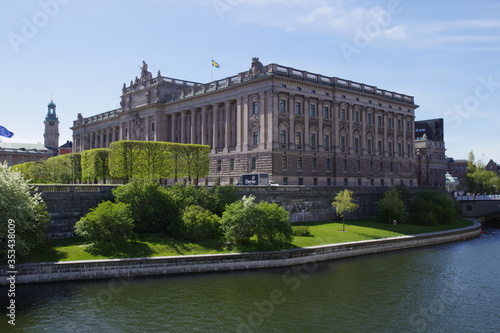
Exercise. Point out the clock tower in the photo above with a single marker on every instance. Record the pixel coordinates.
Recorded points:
(51, 135)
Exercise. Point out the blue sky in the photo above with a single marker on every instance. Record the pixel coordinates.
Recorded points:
(445, 53)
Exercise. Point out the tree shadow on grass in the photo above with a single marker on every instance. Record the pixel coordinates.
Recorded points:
(130, 249)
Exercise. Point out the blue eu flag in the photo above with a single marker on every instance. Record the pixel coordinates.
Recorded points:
(5, 132)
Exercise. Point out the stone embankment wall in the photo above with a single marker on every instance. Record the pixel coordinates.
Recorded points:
(123, 268)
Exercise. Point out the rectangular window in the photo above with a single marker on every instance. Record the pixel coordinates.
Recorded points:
(408, 125)
(346, 181)
(356, 144)
(359, 181)
(369, 145)
(400, 149)
(283, 137)
(328, 164)
(380, 150)
(399, 124)
(312, 110)
(358, 165)
(369, 118)
(389, 122)
(344, 165)
(255, 107)
(285, 180)
(408, 150)
(371, 166)
(301, 181)
(329, 181)
(372, 182)
(219, 165)
(315, 181)
(315, 163)
(342, 142)
(382, 182)
(284, 162)
(326, 112)
(389, 146)
(326, 141)
(342, 114)
(255, 138)
(231, 164)
(381, 166)
(282, 105)
(379, 121)
(298, 108)
(299, 163)
(391, 167)
(298, 138)
(254, 163)
(312, 137)
(356, 116)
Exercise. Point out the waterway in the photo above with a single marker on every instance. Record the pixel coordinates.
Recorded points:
(446, 288)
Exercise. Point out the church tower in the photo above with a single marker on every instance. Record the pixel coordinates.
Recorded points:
(51, 135)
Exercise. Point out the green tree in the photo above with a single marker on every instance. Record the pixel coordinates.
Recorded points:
(391, 207)
(95, 165)
(272, 225)
(432, 208)
(153, 210)
(25, 212)
(237, 222)
(107, 224)
(199, 223)
(344, 203)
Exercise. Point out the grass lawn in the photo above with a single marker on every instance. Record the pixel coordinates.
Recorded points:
(158, 245)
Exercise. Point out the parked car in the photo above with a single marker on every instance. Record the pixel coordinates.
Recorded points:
(273, 183)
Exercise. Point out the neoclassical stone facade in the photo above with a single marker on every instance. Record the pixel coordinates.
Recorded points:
(299, 127)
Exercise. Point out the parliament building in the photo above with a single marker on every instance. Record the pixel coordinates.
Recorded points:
(301, 128)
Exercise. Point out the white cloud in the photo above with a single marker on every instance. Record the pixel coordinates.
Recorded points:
(330, 17)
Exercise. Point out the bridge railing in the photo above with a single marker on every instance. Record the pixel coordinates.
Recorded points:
(478, 197)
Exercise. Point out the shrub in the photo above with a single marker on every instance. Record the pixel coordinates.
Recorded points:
(431, 208)
(109, 223)
(26, 210)
(237, 222)
(272, 225)
(153, 209)
(301, 230)
(391, 207)
(199, 223)
(269, 222)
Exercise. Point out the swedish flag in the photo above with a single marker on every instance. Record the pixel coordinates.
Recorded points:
(215, 64)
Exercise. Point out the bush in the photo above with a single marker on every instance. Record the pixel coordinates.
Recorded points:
(301, 230)
(269, 222)
(26, 210)
(199, 223)
(237, 222)
(153, 209)
(272, 226)
(391, 207)
(431, 208)
(107, 224)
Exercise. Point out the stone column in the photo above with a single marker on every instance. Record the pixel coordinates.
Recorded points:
(204, 125)
(173, 129)
(245, 128)
(215, 124)
(320, 139)
(227, 139)
(239, 124)
(193, 126)
(183, 127)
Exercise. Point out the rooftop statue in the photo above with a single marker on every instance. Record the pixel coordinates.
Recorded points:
(256, 69)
